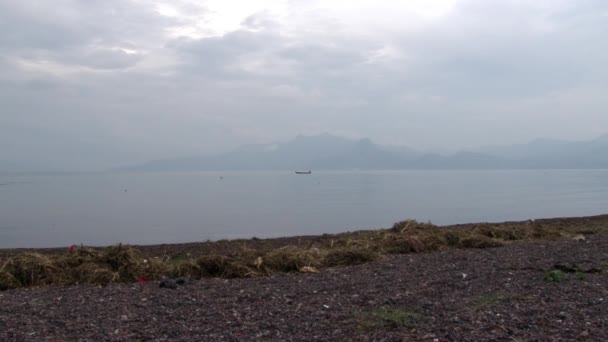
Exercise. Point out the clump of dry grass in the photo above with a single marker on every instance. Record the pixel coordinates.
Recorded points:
(409, 225)
(155, 268)
(348, 256)
(403, 245)
(413, 237)
(92, 273)
(479, 241)
(34, 269)
(115, 263)
(225, 267)
(291, 259)
(83, 265)
(434, 242)
(544, 232)
(502, 233)
(127, 262)
(238, 269)
(8, 281)
(188, 268)
(212, 265)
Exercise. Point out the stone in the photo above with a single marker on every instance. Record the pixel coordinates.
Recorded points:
(168, 284)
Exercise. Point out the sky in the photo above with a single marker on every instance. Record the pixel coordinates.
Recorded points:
(92, 84)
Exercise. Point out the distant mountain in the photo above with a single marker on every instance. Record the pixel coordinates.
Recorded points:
(461, 161)
(323, 151)
(328, 152)
(554, 154)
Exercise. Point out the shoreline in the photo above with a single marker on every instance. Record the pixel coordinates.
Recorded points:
(299, 240)
(254, 257)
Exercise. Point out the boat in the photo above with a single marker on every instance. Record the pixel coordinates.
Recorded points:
(303, 172)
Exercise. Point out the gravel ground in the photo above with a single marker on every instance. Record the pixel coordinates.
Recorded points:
(452, 295)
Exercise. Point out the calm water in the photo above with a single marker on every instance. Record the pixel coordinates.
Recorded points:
(147, 208)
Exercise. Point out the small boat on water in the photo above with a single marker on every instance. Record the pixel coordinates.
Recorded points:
(303, 172)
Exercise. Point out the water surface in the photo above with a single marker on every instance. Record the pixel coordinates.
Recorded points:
(150, 208)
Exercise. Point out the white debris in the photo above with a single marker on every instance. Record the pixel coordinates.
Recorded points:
(309, 269)
(579, 237)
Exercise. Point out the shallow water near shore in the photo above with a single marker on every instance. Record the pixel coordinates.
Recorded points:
(152, 208)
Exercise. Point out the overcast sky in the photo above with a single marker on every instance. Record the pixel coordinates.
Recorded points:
(91, 84)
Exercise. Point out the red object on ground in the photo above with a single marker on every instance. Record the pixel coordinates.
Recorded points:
(71, 248)
(143, 280)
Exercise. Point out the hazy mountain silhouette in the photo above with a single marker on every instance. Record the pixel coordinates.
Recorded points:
(328, 152)
(304, 152)
(554, 154)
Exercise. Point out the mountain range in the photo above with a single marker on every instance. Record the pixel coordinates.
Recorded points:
(328, 152)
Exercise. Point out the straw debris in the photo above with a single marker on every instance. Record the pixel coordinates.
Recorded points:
(122, 263)
(292, 259)
(8, 281)
(349, 256)
(480, 241)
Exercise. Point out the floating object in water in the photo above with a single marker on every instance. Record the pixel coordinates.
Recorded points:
(303, 172)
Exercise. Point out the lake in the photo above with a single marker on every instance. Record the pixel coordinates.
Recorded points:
(152, 208)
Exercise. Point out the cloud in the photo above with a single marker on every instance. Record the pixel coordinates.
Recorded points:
(134, 80)
(95, 34)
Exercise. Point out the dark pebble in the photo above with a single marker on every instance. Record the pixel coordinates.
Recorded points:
(168, 284)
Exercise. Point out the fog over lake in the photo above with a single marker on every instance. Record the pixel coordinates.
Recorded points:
(151, 208)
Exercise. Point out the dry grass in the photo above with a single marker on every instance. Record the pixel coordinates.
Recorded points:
(93, 274)
(403, 244)
(291, 259)
(348, 256)
(479, 241)
(83, 265)
(221, 266)
(127, 264)
(34, 269)
(8, 281)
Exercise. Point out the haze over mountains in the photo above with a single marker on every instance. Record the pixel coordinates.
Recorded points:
(328, 152)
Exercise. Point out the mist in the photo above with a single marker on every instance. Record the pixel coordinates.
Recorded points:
(99, 84)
